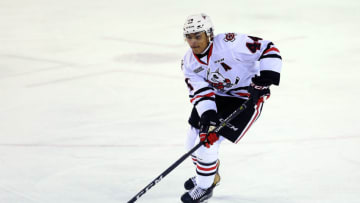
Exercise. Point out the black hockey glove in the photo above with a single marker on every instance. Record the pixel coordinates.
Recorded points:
(208, 122)
(258, 89)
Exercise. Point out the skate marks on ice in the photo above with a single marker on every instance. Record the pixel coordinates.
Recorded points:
(150, 146)
(232, 198)
(292, 39)
(109, 72)
(304, 140)
(47, 65)
(73, 78)
(154, 44)
(149, 58)
(19, 63)
(14, 195)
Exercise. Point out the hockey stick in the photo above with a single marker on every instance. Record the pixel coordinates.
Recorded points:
(179, 161)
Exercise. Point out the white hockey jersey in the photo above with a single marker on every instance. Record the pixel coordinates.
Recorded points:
(232, 60)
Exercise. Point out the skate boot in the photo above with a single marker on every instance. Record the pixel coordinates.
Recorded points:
(191, 182)
(197, 195)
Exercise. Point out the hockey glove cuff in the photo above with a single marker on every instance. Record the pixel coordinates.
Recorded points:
(259, 89)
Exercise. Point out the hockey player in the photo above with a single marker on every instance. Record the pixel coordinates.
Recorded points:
(222, 72)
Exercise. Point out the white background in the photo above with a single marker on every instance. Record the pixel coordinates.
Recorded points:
(93, 104)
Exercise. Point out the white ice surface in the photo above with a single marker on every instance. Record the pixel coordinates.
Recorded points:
(93, 105)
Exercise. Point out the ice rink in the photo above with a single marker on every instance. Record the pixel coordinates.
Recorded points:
(93, 104)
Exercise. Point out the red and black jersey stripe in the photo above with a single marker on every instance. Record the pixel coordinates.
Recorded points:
(206, 93)
(270, 48)
(202, 90)
(270, 56)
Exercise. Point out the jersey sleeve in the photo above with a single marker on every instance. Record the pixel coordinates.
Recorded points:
(270, 62)
(201, 94)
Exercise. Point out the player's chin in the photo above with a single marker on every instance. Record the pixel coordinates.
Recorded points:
(196, 50)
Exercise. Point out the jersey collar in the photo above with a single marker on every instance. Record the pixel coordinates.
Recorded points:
(208, 52)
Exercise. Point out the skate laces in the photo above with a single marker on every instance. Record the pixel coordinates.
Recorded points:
(193, 180)
(196, 193)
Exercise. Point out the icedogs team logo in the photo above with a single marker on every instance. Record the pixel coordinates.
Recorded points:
(218, 81)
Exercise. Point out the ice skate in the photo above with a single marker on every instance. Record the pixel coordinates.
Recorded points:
(197, 195)
(191, 182)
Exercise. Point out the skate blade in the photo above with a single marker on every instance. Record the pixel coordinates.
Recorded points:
(206, 199)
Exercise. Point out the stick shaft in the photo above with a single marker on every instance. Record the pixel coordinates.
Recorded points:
(181, 159)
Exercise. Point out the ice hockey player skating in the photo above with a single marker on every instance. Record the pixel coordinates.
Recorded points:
(222, 72)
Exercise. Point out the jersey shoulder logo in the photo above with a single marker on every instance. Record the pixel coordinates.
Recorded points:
(229, 37)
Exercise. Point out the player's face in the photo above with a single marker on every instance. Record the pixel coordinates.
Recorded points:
(197, 41)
